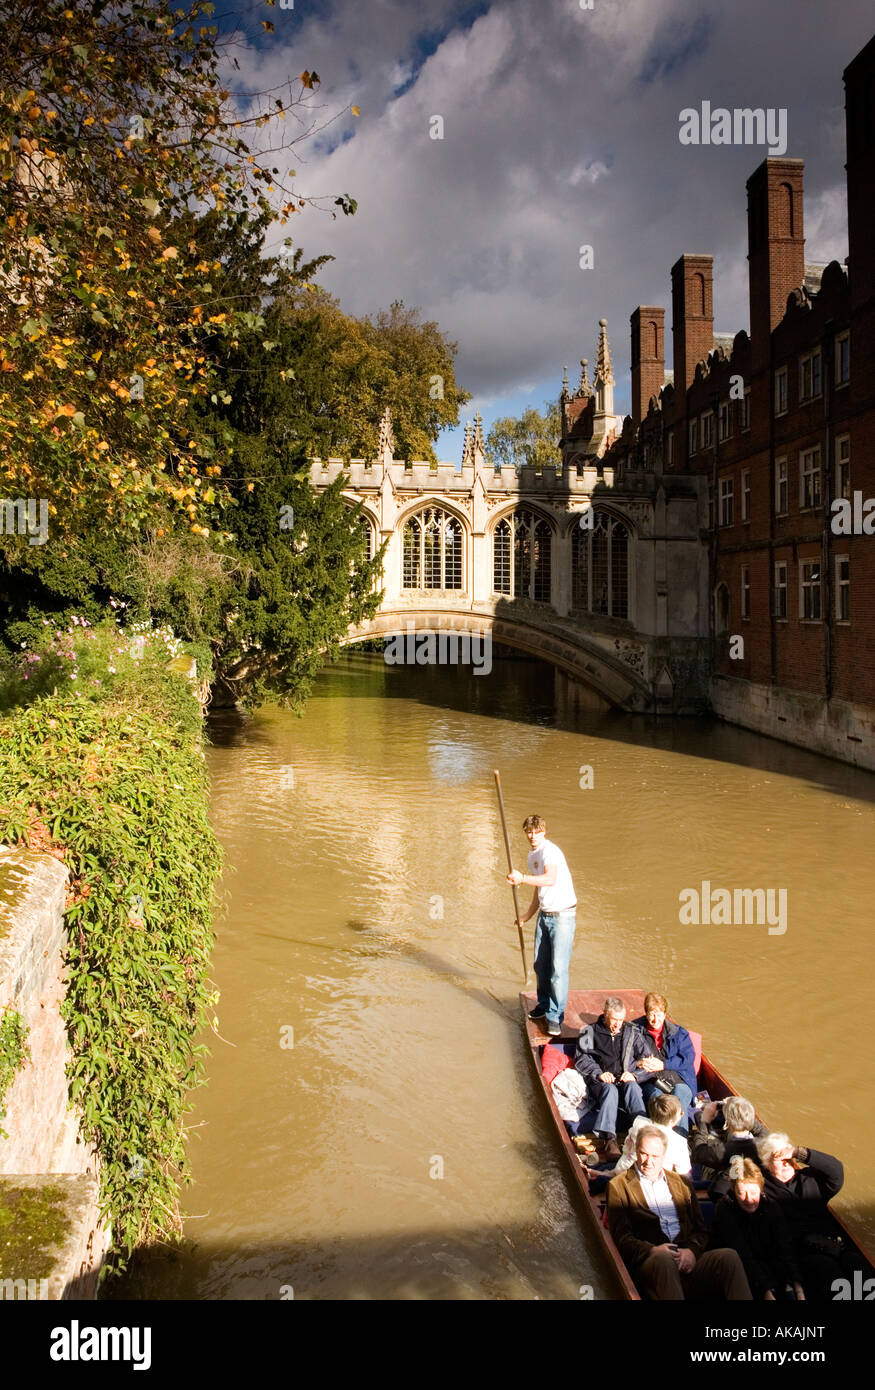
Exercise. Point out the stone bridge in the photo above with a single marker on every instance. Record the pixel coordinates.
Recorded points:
(602, 577)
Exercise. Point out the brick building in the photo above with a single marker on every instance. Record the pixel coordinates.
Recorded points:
(780, 420)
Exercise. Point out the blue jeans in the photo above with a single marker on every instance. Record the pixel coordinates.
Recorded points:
(554, 938)
(684, 1095)
(605, 1098)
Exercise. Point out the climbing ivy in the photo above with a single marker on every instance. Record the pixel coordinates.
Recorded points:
(112, 779)
(13, 1052)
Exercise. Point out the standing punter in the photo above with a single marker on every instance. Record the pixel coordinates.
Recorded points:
(555, 902)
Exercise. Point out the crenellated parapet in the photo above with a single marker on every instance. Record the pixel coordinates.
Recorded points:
(419, 474)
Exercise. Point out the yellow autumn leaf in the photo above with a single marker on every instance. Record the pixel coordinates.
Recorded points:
(355, 111)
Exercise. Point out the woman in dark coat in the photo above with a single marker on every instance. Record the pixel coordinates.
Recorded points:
(802, 1181)
(753, 1225)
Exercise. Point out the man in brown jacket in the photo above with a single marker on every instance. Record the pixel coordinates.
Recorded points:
(656, 1222)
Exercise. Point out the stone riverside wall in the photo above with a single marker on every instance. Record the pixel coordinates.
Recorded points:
(43, 1133)
(835, 727)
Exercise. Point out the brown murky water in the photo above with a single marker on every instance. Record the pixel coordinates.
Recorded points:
(399, 1148)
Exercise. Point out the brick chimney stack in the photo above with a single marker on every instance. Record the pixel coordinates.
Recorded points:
(692, 304)
(648, 357)
(776, 247)
(859, 78)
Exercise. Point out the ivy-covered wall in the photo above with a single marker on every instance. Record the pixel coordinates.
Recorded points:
(106, 780)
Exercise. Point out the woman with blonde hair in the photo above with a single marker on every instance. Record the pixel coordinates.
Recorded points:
(753, 1226)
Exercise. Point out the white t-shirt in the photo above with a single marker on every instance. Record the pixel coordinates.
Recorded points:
(561, 896)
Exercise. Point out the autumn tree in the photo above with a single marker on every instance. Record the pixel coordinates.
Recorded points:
(114, 129)
(276, 589)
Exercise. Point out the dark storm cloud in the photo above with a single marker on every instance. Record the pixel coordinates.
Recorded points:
(560, 129)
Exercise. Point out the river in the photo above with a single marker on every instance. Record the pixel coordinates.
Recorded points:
(371, 1128)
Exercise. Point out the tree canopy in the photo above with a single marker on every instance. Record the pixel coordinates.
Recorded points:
(114, 131)
(532, 440)
(163, 381)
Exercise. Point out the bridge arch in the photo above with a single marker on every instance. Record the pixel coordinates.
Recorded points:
(617, 683)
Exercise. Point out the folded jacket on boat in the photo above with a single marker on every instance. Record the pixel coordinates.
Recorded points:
(569, 1092)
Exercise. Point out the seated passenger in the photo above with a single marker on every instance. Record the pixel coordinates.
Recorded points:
(802, 1181)
(608, 1058)
(722, 1130)
(657, 1224)
(670, 1049)
(664, 1112)
(746, 1221)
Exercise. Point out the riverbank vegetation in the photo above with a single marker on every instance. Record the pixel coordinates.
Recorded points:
(105, 769)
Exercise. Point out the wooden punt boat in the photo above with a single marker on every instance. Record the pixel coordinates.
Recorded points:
(585, 1006)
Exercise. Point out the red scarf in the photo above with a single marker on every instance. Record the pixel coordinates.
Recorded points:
(657, 1037)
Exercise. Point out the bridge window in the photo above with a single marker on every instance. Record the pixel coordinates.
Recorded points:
(600, 567)
(432, 551)
(501, 557)
(367, 535)
(530, 539)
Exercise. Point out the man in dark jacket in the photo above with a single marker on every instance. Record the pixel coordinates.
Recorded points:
(671, 1049)
(609, 1053)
